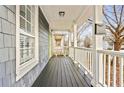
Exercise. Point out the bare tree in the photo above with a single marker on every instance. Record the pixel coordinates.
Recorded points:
(114, 20)
(87, 42)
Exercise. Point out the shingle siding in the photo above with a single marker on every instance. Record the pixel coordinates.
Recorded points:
(0, 25)
(1, 41)
(2, 70)
(3, 12)
(7, 41)
(4, 55)
(8, 51)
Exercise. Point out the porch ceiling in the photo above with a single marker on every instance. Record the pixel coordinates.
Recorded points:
(72, 14)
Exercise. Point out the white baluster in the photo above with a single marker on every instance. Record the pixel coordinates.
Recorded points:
(104, 69)
(90, 61)
(114, 71)
(97, 68)
(109, 68)
(87, 60)
(121, 72)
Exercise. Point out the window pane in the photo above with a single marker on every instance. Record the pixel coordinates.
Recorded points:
(29, 7)
(28, 15)
(28, 27)
(26, 42)
(22, 10)
(27, 48)
(84, 36)
(22, 23)
(21, 42)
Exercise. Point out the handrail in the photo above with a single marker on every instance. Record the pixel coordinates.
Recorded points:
(110, 52)
(88, 49)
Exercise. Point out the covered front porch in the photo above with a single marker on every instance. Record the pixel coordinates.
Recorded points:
(57, 46)
(72, 65)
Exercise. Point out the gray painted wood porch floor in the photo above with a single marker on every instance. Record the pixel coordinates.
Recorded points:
(60, 72)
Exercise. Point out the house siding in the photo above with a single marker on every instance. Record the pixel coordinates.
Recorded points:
(8, 51)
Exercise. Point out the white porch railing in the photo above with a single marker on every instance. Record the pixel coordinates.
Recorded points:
(71, 52)
(110, 64)
(111, 67)
(84, 57)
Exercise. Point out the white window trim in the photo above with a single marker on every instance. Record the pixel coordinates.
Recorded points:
(24, 68)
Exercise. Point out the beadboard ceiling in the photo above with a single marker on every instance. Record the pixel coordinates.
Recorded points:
(73, 14)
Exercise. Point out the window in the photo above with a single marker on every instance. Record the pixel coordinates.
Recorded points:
(84, 35)
(26, 39)
(58, 42)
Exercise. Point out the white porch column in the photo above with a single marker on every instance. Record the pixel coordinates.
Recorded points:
(98, 44)
(75, 35)
(62, 44)
(50, 42)
(69, 39)
(75, 39)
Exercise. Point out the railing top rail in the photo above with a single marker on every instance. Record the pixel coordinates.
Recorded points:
(111, 52)
(108, 52)
(83, 48)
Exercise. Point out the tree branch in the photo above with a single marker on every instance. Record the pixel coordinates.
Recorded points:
(121, 14)
(122, 40)
(121, 30)
(108, 20)
(111, 39)
(121, 36)
(109, 28)
(114, 8)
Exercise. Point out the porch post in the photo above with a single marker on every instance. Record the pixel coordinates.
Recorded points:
(75, 35)
(98, 44)
(75, 39)
(62, 44)
(69, 39)
(50, 42)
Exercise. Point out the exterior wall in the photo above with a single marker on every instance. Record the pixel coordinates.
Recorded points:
(43, 38)
(8, 52)
(43, 45)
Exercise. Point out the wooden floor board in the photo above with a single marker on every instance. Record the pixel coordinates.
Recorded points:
(68, 78)
(84, 83)
(50, 75)
(73, 80)
(75, 75)
(60, 72)
(64, 79)
(55, 74)
(59, 79)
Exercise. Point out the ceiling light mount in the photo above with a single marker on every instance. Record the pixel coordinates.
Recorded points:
(61, 13)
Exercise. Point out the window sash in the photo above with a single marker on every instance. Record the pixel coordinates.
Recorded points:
(25, 33)
(28, 23)
(22, 69)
